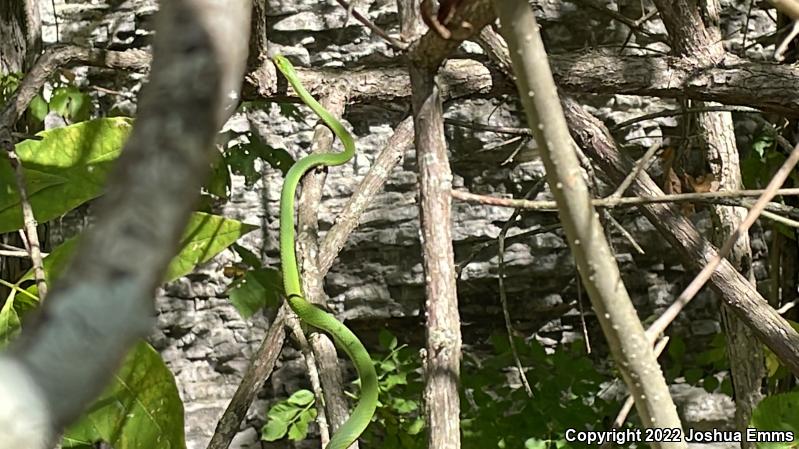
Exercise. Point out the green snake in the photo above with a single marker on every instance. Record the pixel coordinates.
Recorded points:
(309, 313)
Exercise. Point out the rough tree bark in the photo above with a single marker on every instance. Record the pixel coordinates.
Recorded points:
(20, 34)
(443, 333)
(694, 250)
(20, 43)
(696, 33)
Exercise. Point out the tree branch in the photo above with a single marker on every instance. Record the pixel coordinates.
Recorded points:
(104, 302)
(629, 345)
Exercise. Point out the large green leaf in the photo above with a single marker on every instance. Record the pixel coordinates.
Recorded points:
(205, 236)
(777, 413)
(141, 409)
(63, 170)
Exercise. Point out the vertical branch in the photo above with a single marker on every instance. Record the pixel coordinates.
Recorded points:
(443, 333)
(258, 40)
(442, 368)
(21, 29)
(695, 33)
(629, 345)
(21, 43)
(28, 220)
(329, 373)
(261, 366)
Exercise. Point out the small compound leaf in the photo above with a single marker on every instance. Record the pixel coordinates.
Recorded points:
(284, 411)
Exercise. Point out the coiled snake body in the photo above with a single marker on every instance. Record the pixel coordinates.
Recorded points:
(307, 312)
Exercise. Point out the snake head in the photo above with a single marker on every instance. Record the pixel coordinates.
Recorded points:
(284, 65)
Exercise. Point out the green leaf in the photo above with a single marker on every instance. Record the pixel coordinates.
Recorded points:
(38, 108)
(284, 411)
(762, 142)
(284, 417)
(247, 256)
(205, 236)
(72, 104)
(54, 264)
(140, 410)
(416, 426)
(65, 169)
(258, 289)
(9, 321)
(535, 443)
(242, 156)
(301, 398)
(710, 383)
(777, 413)
(218, 183)
(274, 429)
(299, 429)
(387, 340)
(392, 380)
(401, 405)
(676, 349)
(692, 375)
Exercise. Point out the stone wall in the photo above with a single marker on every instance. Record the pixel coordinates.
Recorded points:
(377, 280)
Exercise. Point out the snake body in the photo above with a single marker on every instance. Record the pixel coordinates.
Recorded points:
(307, 312)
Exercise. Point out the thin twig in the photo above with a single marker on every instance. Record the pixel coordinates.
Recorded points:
(514, 131)
(313, 376)
(399, 45)
(583, 325)
(55, 19)
(640, 164)
(20, 254)
(632, 24)
(259, 369)
(503, 297)
(15, 288)
(625, 233)
(786, 307)
(780, 219)
(699, 281)
(31, 234)
(545, 205)
(684, 111)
